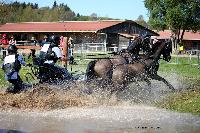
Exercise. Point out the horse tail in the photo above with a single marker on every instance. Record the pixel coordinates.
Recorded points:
(90, 70)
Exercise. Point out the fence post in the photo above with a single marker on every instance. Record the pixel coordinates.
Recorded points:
(177, 54)
(82, 51)
(191, 57)
(198, 58)
(65, 52)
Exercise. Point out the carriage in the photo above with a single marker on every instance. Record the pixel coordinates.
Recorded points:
(39, 74)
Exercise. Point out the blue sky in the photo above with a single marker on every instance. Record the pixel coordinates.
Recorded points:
(121, 9)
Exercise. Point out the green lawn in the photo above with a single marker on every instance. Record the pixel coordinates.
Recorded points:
(186, 101)
(189, 99)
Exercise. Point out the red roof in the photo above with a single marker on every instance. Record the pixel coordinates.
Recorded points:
(68, 26)
(188, 35)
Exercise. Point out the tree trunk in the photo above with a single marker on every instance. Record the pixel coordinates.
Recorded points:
(181, 39)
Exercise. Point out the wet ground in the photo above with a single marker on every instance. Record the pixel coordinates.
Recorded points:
(104, 119)
(61, 109)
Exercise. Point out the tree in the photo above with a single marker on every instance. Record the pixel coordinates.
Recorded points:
(94, 17)
(78, 15)
(4, 11)
(140, 20)
(55, 4)
(176, 15)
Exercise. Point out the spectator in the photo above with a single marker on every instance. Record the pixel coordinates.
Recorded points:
(11, 66)
(4, 41)
(45, 40)
(12, 41)
(70, 51)
(181, 49)
(33, 43)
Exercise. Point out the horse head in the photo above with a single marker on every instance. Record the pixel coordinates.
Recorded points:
(162, 48)
(135, 45)
(167, 50)
(146, 45)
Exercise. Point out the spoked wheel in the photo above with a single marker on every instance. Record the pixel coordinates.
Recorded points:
(30, 80)
(32, 77)
(35, 70)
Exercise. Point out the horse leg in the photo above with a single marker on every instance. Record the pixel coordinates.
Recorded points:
(148, 82)
(159, 78)
(90, 73)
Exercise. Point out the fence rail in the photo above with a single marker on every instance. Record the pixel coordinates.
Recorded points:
(189, 57)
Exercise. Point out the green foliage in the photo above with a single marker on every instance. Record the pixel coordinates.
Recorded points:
(30, 12)
(174, 14)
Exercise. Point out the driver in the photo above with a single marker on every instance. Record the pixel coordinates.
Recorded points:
(49, 55)
(11, 66)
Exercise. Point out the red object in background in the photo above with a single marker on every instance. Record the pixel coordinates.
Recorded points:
(4, 41)
(4, 35)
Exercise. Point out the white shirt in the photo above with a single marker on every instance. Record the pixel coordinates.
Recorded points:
(11, 59)
(56, 50)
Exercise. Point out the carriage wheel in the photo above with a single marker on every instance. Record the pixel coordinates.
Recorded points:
(35, 71)
(30, 78)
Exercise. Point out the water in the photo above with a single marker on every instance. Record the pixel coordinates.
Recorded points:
(61, 109)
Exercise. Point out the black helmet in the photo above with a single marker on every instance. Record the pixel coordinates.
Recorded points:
(12, 49)
(54, 39)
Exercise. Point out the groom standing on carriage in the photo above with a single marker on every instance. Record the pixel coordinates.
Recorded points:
(49, 71)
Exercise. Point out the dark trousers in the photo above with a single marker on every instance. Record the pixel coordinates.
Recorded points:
(4, 53)
(17, 85)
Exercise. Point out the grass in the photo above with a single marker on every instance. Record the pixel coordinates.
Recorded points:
(186, 101)
(188, 72)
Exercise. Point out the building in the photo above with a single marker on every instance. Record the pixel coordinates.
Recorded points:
(89, 35)
(191, 40)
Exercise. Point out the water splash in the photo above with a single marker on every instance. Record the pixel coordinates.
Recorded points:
(80, 94)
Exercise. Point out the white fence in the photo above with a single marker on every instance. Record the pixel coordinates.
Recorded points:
(89, 47)
(190, 57)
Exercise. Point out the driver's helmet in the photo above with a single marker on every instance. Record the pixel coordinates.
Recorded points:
(12, 49)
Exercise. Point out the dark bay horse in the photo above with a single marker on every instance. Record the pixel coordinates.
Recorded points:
(102, 67)
(142, 69)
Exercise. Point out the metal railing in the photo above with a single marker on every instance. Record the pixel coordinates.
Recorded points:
(89, 47)
(188, 57)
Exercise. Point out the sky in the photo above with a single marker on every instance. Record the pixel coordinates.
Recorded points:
(119, 9)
